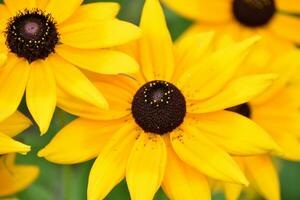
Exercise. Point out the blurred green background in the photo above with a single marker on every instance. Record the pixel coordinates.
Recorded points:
(70, 182)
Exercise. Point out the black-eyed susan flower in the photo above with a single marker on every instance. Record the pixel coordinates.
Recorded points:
(243, 16)
(14, 178)
(166, 126)
(9, 128)
(45, 40)
(277, 111)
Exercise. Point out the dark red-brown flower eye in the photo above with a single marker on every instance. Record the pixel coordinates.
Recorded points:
(32, 34)
(243, 109)
(253, 13)
(158, 107)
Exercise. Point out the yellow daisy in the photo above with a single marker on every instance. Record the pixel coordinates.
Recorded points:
(47, 40)
(277, 111)
(167, 126)
(241, 16)
(15, 178)
(9, 128)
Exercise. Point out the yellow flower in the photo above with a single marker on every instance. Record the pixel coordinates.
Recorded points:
(45, 40)
(277, 111)
(9, 128)
(242, 16)
(167, 126)
(15, 178)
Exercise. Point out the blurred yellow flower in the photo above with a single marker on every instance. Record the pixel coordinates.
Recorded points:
(9, 128)
(166, 126)
(47, 40)
(15, 178)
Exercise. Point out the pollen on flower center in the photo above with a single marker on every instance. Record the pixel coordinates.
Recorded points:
(32, 34)
(253, 13)
(243, 109)
(158, 107)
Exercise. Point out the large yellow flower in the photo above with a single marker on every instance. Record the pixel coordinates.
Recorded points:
(15, 178)
(9, 128)
(167, 126)
(46, 39)
(242, 16)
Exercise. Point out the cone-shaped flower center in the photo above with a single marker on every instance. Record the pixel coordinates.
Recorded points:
(243, 109)
(158, 107)
(32, 35)
(253, 13)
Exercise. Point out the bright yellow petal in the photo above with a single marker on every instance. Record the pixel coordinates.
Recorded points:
(232, 191)
(41, 94)
(191, 49)
(62, 10)
(156, 47)
(16, 6)
(202, 10)
(41, 4)
(8, 145)
(14, 124)
(99, 60)
(79, 141)
(288, 5)
(234, 133)
(183, 182)
(110, 166)
(196, 150)
(263, 176)
(146, 166)
(16, 178)
(99, 34)
(205, 78)
(237, 92)
(13, 80)
(94, 11)
(286, 26)
(73, 81)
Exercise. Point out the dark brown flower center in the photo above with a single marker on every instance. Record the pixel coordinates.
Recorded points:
(158, 107)
(253, 13)
(243, 109)
(32, 34)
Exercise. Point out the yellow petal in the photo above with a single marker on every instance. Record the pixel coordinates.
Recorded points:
(234, 133)
(16, 178)
(8, 145)
(288, 5)
(13, 80)
(146, 166)
(232, 191)
(205, 78)
(190, 49)
(14, 124)
(99, 34)
(73, 81)
(16, 6)
(156, 47)
(94, 11)
(286, 26)
(99, 60)
(201, 10)
(54, 7)
(109, 168)
(41, 94)
(263, 176)
(183, 182)
(196, 150)
(237, 92)
(79, 141)
(41, 4)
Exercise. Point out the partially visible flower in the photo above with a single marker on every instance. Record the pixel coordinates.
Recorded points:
(10, 128)
(47, 40)
(15, 178)
(167, 125)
